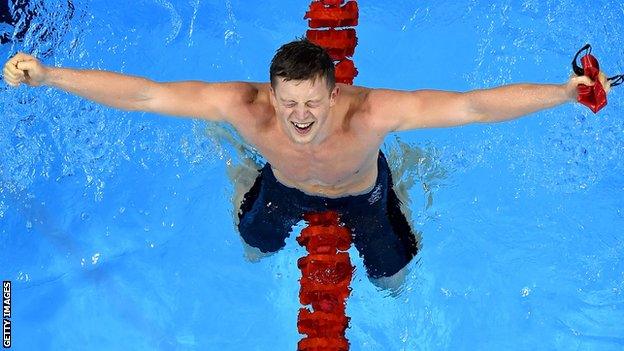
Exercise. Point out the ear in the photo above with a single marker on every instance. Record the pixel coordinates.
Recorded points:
(333, 95)
(273, 97)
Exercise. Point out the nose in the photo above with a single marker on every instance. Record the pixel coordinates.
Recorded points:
(301, 112)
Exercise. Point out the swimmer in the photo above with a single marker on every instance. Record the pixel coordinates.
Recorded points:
(321, 139)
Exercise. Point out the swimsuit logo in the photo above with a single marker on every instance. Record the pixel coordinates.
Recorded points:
(376, 195)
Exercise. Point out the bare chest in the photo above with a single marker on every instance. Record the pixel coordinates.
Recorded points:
(344, 165)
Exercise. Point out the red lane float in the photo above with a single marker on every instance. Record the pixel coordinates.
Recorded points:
(338, 43)
(323, 15)
(345, 71)
(333, 16)
(326, 273)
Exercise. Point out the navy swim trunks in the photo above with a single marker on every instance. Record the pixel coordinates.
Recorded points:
(380, 231)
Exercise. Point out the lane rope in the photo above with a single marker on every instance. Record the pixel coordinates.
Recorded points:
(326, 270)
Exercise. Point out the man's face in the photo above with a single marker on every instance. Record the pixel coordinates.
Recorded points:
(302, 108)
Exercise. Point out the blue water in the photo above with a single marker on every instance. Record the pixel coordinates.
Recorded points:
(117, 228)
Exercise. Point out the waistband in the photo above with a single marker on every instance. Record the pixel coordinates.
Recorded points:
(319, 203)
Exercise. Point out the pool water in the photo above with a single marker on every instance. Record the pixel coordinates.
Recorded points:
(117, 228)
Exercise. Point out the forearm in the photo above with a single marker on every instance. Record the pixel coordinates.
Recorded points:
(512, 101)
(108, 88)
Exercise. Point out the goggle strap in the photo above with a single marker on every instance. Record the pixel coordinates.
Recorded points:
(578, 70)
(616, 80)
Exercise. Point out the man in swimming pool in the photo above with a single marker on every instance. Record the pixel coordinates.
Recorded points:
(321, 139)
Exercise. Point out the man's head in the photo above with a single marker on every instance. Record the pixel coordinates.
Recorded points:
(302, 60)
(303, 89)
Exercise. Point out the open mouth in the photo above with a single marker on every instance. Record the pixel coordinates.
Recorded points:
(302, 128)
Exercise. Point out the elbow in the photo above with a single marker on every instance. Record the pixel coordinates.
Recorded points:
(476, 117)
(144, 98)
(472, 109)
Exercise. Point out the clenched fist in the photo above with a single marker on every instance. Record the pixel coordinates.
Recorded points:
(24, 68)
(575, 81)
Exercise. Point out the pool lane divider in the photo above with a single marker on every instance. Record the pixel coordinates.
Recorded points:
(326, 273)
(326, 270)
(331, 26)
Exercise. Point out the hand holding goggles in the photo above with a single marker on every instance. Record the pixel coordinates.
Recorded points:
(594, 96)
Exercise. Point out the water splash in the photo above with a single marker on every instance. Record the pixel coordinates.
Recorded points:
(176, 20)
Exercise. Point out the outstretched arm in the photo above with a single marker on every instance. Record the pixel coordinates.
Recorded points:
(404, 110)
(212, 101)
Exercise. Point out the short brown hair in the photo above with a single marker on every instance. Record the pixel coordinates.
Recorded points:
(301, 60)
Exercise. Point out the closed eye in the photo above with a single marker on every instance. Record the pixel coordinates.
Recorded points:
(312, 104)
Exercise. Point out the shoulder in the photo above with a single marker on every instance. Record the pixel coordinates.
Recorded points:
(366, 106)
(354, 100)
(252, 115)
(248, 101)
(237, 92)
(391, 110)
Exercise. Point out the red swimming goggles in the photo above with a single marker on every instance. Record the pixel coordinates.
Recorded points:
(594, 96)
